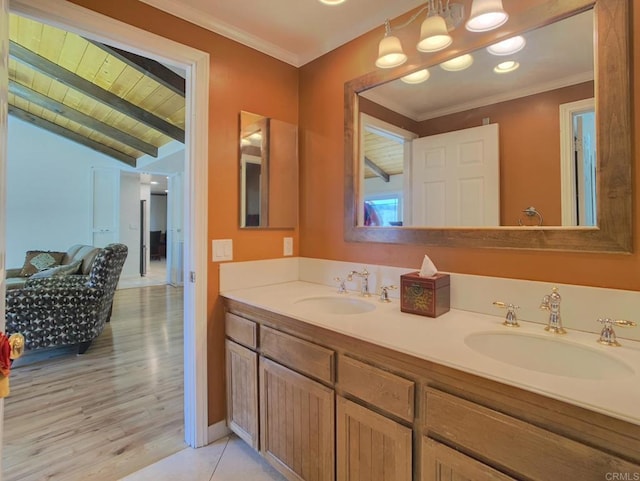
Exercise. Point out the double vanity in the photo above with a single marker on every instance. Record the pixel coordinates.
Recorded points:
(338, 386)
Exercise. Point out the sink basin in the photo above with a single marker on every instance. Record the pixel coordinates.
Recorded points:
(336, 305)
(544, 354)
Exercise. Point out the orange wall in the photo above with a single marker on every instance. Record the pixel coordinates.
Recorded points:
(240, 79)
(322, 186)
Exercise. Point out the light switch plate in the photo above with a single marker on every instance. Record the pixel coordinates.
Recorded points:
(288, 246)
(222, 250)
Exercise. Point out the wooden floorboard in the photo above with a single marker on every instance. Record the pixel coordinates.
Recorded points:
(106, 413)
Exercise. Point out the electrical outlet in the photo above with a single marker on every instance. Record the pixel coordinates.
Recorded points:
(288, 246)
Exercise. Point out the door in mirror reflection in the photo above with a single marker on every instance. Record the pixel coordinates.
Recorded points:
(455, 178)
(254, 148)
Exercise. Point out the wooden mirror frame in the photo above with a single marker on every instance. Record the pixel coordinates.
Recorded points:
(613, 117)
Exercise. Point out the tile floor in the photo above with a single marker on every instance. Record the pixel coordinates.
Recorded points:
(228, 459)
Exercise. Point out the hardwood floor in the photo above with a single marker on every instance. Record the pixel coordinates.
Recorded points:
(109, 412)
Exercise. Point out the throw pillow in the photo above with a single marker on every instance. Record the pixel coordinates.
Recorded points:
(63, 270)
(36, 261)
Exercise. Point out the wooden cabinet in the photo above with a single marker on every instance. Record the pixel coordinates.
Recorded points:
(386, 391)
(369, 446)
(242, 392)
(440, 463)
(513, 446)
(296, 423)
(334, 406)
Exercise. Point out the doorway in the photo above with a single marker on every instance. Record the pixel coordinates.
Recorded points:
(578, 163)
(103, 29)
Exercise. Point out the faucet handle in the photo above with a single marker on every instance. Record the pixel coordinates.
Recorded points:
(384, 293)
(342, 289)
(608, 335)
(511, 319)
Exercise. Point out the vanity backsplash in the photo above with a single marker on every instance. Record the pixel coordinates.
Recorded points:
(581, 306)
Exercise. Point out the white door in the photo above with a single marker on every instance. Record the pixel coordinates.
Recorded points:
(455, 178)
(175, 231)
(105, 190)
(584, 126)
(4, 89)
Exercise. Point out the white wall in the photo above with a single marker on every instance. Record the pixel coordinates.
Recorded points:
(48, 191)
(158, 217)
(130, 221)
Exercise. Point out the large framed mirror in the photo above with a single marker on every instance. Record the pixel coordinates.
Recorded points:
(535, 198)
(268, 169)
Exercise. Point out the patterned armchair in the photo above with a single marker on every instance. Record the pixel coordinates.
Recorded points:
(67, 310)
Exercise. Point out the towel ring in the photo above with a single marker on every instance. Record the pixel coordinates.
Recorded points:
(531, 212)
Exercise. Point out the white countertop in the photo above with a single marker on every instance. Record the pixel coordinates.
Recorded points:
(442, 340)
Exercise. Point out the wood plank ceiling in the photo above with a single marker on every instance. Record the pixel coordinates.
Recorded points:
(109, 100)
(383, 156)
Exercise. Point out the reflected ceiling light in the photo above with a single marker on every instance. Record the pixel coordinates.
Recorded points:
(508, 46)
(416, 77)
(442, 17)
(255, 136)
(506, 67)
(486, 15)
(332, 2)
(244, 142)
(456, 64)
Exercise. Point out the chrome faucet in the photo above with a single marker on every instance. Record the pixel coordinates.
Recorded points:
(364, 285)
(551, 303)
(384, 293)
(608, 336)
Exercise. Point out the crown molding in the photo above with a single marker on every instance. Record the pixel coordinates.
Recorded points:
(209, 22)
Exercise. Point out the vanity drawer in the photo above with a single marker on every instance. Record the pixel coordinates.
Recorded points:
(382, 389)
(514, 446)
(241, 330)
(303, 356)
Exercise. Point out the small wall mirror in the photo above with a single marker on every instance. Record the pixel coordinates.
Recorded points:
(268, 172)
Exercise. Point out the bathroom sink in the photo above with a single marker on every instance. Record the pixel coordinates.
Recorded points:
(336, 305)
(548, 355)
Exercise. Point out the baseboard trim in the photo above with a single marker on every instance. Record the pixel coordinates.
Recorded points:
(217, 431)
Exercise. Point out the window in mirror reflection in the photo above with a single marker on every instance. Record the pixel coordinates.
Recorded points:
(544, 121)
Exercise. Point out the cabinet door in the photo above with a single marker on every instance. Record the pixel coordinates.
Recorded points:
(371, 447)
(296, 423)
(242, 392)
(440, 463)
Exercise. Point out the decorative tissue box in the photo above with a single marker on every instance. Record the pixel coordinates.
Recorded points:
(426, 296)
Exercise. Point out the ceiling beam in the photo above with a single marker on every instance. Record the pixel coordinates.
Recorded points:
(81, 118)
(97, 93)
(158, 72)
(69, 134)
(376, 170)
(251, 150)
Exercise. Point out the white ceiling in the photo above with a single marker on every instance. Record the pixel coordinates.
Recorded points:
(294, 31)
(555, 56)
